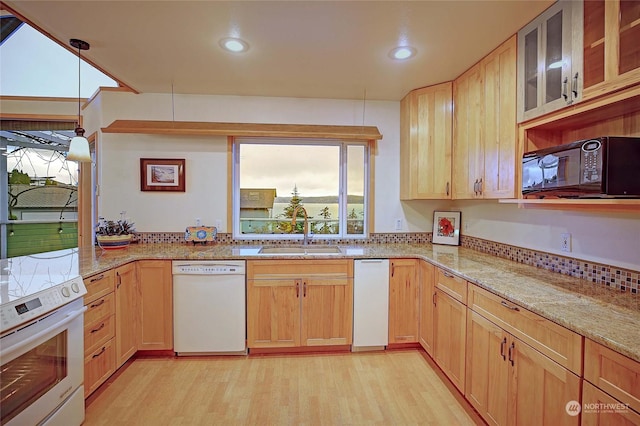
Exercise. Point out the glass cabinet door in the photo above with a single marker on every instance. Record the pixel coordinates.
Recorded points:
(629, 47)
(531, 76)
(593, 42)
(553, 60)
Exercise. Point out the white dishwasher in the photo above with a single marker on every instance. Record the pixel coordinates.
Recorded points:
(370, 304)
(209, 307)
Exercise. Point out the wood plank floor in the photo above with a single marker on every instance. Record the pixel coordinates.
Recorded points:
(383, 388)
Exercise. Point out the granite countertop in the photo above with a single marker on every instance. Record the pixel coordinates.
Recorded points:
(604, 315)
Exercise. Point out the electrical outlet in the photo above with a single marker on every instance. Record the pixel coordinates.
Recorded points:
(565, 242)
(398, 224)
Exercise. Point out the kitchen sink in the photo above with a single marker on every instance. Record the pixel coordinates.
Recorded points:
(300, 250)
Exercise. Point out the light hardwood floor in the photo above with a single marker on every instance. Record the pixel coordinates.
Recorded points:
(384, 388)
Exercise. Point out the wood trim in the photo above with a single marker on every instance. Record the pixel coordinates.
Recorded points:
(300, 349)
(39, 117)
(586, 204)
(85, 201)
(230, 140)
(373, 150)
(244, 129)
(40, 98)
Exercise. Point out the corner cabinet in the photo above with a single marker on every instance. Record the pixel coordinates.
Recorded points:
(485, 129)
(299, 303)
(550, 60)
(425, 143)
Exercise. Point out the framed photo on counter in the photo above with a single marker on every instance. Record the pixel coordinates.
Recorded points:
(162, 174)
(446, 228)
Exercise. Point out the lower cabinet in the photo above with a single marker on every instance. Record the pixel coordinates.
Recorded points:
(450, 322)
(156, 305)
(427, 295)
(509, 382)
(299, 303)
(403, 301)
(601, 409)
(127, 295)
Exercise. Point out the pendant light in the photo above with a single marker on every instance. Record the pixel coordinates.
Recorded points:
(79, 146)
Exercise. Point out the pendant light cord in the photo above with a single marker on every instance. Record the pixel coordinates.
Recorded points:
(79, 50)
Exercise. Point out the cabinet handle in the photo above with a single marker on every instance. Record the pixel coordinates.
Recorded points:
(447, 188)
(502, 344)
(480, 187)
(574, 86)
(104, 348)
(95, 330)
(565, 84)
(297, 289)
(434, 299)
(98, 278)
(475, 187)
(393, 269)
(447, 274)
(304, 289)
(512, 347)
(95, 305)
(119, 279)
(509, 306)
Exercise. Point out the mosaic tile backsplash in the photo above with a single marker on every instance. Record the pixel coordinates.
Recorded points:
(624, 280)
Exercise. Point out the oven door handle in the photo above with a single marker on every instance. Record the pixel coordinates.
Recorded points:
(7, 352)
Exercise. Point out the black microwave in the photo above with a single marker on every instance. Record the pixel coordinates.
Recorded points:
(607, 166)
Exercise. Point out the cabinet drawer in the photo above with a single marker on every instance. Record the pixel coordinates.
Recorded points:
(612, 413)
(98, 366)
(100, 308)
(558, 343)
(98, 285)
(453, 285)
(98, 332)
(280, 269)
(612, 372)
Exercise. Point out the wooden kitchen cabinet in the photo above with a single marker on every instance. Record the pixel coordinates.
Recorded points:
(99, 330)
(550, 60)
(450, 324)
(616, 413)
(156, 305)
(427, 294)
(485, 129)
(127, 295)
(426, 143)
(613, 373)
(299, 303)
(403, 301)
(611, 51)
(507, 380)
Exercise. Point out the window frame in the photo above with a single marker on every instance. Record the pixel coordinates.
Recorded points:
(343, 144)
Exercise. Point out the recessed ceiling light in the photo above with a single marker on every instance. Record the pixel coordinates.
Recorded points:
(234, 45)
(401, 53)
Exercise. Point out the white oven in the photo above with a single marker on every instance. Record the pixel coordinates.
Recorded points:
(41, 340)
(42, 370)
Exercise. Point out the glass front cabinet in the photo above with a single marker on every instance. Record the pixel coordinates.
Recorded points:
(550, 65)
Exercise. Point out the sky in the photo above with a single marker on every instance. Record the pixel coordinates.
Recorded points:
(33, 65)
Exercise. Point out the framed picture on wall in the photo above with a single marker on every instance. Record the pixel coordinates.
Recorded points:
(446, 228)
(162, 174)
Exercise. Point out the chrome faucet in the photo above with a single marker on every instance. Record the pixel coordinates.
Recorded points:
(305, 227)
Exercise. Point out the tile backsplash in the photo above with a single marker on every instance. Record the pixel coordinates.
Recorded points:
(624, 280)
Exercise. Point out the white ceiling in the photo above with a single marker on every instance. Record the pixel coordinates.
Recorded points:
(318, 49)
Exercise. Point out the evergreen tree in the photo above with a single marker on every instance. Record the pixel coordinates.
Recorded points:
(296, 201)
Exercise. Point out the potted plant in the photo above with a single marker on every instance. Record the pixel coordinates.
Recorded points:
(114, 234)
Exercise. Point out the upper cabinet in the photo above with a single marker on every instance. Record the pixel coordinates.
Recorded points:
(425, 143)
(550, 60)
(484, 134)
(611, 45)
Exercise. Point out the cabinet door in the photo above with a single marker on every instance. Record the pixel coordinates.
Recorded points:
(127, 295)
(487, 373)
(450, 337)
(273, 313)
(427, 306)
(594, 412)
(540, 388)
(156, 305)
(327, 311)
(468, 155)
(499, 69)
(550, 60)
(403, 301)
(425, 145)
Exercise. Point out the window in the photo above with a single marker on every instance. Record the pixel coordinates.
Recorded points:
(273, 179)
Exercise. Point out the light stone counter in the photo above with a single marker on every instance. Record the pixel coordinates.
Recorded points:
(592, 310)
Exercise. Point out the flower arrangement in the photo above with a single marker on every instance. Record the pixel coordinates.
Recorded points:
(114, 234)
